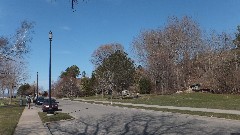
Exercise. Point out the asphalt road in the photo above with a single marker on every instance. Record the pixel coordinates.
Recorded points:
(91, 119)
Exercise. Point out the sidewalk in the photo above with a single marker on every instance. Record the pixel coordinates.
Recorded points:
(30, 123)
(174, 107)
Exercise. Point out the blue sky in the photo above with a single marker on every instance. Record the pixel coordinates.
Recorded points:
(96, 22)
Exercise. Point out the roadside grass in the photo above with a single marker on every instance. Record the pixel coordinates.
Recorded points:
(56, 117)
(9, 116)
(198, 113)
(196, 100)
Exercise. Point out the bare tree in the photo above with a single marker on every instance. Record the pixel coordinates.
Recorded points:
(103, 52)
(12, 53)
(180, 54)
(167, 53)
(103, 82)
(13, 75)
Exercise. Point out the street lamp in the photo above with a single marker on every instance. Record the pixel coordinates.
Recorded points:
(34, 90)
(37, 85)
(50, 101)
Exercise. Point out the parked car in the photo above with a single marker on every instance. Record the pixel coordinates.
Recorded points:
(39, 100)
(46, 106)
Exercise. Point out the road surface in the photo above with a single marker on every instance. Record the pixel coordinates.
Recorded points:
(93, 119)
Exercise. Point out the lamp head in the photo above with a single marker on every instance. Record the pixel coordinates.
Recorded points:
(50, 35)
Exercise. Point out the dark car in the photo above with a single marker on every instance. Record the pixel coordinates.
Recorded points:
(39, 100)
(46, 106)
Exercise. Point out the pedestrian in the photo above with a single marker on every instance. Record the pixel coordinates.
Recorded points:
(29, 101)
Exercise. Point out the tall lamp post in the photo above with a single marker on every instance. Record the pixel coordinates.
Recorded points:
(37, 85)
(34, 90)
(50, 101)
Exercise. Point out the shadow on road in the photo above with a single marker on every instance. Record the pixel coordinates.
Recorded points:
(139, 123)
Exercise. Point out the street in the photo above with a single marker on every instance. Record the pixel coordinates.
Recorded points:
(94, 119)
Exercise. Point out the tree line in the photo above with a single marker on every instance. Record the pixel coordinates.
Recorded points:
(168, 59)
(181, 54)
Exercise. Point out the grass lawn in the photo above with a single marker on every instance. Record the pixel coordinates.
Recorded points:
(9, 116)
(56, 117)
(198, 100)
(208, 114)
(199, 113)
